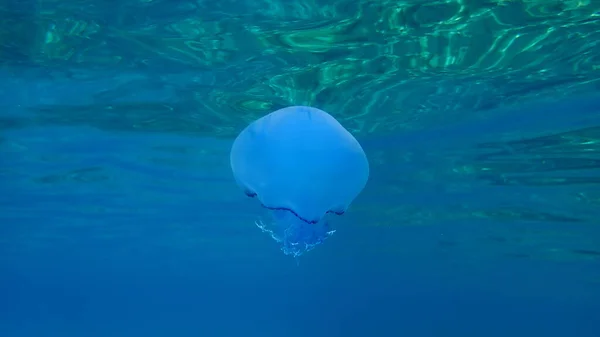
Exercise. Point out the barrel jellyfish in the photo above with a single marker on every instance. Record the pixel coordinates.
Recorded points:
(301, 164)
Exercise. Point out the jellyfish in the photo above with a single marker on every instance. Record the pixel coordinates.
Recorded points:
(302, 165)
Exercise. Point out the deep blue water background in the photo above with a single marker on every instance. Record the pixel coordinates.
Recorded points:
(107, 230)
(121, 234)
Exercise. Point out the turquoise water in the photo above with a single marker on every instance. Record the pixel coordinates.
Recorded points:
(119, 214)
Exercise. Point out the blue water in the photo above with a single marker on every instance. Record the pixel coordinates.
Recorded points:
(475, 222)
(121, 234)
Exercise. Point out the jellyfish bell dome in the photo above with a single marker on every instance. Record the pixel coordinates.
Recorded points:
(301, 161)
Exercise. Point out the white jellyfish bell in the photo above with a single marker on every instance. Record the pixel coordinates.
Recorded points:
(301, 164)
